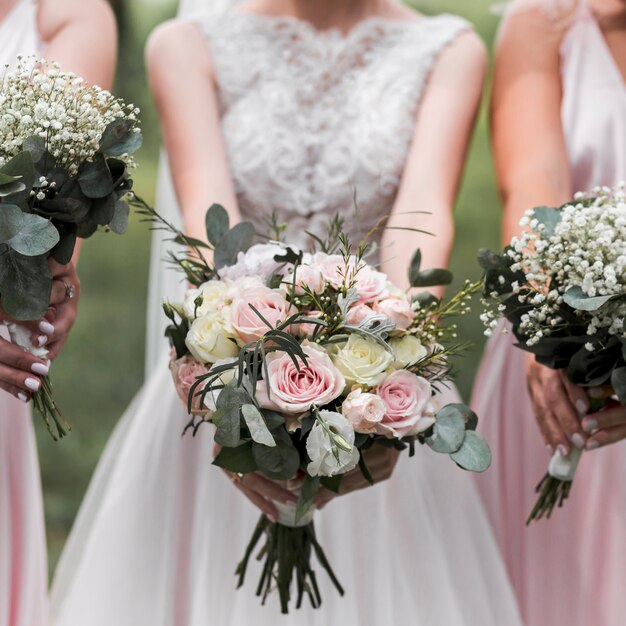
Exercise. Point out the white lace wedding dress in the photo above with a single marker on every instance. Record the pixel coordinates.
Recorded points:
(309, 118)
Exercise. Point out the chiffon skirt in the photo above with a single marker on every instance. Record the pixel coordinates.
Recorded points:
(23, 563)
(161, 531)
(570, 569)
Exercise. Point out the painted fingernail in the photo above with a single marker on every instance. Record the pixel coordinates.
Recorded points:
(42, 340)
(549, 448)
(22, 396)
(582, 407)
(39, 368)
(578, 440)
(592, 445)
(33, 384)
(596, 392)
(589, 425)
(46, 327)
(271, 517)
(562, 450)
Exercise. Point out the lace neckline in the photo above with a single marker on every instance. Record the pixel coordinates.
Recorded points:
(300, 26)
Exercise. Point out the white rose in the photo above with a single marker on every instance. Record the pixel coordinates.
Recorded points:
(407, 350)
(258, 260)
(326, 458)
(362, 361)
(208, 339)
(214, 295)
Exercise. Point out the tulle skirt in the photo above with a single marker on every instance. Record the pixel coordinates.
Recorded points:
(23, 562)
(570, 569)
(160, 533)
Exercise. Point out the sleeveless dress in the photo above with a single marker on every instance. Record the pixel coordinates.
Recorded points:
(23, 560)
(308, 118)
(569, 569)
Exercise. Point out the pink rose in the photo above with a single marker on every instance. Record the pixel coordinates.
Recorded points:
(291, 391)
(247, 325)
(306, 276)
(358, 314)
(409, 407)
(364, 411)
(397, 310)
(185, 371)
(369, 283)
(333, 267)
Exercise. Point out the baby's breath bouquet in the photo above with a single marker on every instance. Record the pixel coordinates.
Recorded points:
(64, 171)
(562, 285)
(305, 360)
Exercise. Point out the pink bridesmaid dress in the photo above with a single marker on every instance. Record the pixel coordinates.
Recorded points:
(570, 570)
(23, 561)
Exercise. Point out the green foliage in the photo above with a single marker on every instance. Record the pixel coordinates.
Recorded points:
(449, 429)
(474, 454)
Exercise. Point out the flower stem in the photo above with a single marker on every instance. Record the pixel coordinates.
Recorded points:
(44, 403)
(552, 493)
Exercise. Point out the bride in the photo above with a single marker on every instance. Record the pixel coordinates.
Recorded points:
(299, 107)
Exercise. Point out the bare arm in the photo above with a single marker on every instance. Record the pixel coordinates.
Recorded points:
(182, 79)
(435, 162)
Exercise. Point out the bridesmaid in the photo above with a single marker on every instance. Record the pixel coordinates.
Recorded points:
(80, 35)
(559, 126)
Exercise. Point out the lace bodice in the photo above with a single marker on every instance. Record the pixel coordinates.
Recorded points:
(317, 122)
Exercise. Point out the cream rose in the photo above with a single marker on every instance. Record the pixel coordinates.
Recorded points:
(246, 324)
(212, 297)
(210, 400)
(295, 391)
(209, 340)
(327, 459)
(363, 410)
(407, 350)
(362, 361)
(408, 399)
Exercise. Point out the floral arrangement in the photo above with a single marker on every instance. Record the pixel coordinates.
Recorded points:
(562, 286)
(303, 361)
(64, 171)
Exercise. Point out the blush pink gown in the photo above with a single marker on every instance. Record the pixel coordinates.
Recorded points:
(23, 562)
(570, 570)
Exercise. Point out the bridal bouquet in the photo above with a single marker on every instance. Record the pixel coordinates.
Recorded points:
(64, 172)
(562, 286)
(303, 361)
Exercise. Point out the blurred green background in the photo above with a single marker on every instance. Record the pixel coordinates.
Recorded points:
(101, 367)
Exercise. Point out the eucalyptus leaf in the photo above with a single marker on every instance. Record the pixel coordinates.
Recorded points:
(22, 168)
(618, 382)
(119, 223)
(119, 138)
(25, 284)
(549, 217)
(432, 278)
(217, 223)
(280, 462)
(579, 300)
(36, 146)
(237, 239)
(308, 491)
(332, 483)
(103, 210)
(64, 250)
(11, 188)
(448, 430)
(489, 260)
(425, 299)
(474, 455)
(414, 268)
(228, 433)
(37, 236)
(95, 179)
(11, 221)
(236, 460)
(256, 425)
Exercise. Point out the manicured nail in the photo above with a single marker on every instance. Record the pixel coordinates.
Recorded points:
(549, 448)
(42, 340)
(33, 384)
(563, 451)
(40, 368)
(22, 396)
(596, 392)
(271, 517)
(578, 440)
(592, 445)
(589, 425)
(582, 407)
(46, 327)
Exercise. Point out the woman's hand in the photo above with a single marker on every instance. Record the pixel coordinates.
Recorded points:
(559, 406)
(380, 460)
(21, 371)
(607, 425)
